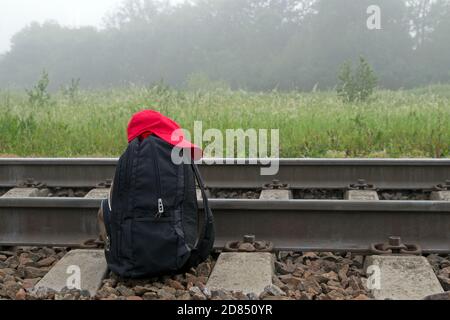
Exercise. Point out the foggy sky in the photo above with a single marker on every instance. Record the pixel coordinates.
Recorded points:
(16, 14)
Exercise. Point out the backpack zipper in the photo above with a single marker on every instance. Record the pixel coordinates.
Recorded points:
(160, 208)
(158, 180)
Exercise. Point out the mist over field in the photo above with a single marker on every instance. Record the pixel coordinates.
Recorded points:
(337, 78)
(239, 44)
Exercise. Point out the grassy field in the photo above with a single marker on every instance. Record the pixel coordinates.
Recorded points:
(93, 123)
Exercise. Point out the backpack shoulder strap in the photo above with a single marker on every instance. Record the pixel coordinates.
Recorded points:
(205, 241)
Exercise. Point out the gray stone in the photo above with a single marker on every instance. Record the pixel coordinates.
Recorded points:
(13, 262)
(440, 196)
(197, 294)
(207, 293)
(29, 284)
(290, 280)
(32, 272)
(401, 278)
(445, 282)
(92, 266)
(361, 195)
(7, 253)
(253, 296)
(150, 296)
(25, 260)
(310, 256)
(242, 272)
(47, 251)
(175, 284)
(165, 295)
(204, 269)
(43, 193)
(283, 268)
(106, 292)
(125, 291)
(21, 193)
(10, 289)
(140, 291)
(273, 290)
(221, 295)
(99, 193)
(440, 296)
(276, 195)
(276, 298)
(46, 262)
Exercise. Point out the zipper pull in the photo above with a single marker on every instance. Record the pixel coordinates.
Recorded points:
(160, 208)
(107, 244)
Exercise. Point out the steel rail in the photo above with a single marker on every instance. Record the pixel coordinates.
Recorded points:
(237, 173)
(305, 225)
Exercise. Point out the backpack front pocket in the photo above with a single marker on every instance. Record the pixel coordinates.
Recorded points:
(124, 237)
(155, 246)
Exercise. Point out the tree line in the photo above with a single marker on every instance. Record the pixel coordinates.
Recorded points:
(249, 44)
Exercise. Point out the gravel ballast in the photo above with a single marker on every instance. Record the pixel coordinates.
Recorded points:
(298, 276)
(22, 268)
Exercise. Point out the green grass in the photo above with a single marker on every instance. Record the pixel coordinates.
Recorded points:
(393, 124)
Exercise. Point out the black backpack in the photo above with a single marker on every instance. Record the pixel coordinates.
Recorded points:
(153, 223)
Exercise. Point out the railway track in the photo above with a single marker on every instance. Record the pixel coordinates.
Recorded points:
(298, 173)
(291, 224)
